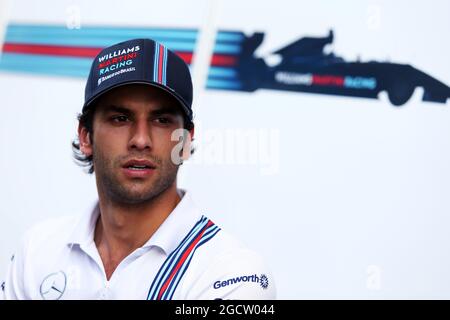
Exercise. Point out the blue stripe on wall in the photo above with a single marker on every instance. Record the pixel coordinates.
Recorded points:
(77, 67)
(14, 30)
(222, 84)
(222, 72)
(53, 31)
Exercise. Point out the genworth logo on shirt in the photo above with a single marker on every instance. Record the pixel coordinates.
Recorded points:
(262, 280)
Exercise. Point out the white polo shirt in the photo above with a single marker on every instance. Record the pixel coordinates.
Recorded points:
(188, 257)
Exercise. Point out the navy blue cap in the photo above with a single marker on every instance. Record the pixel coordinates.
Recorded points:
(140, 61)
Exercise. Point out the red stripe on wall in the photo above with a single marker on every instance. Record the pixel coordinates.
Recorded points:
(51, 50)
(223, 60)
(186, 56)
(90, 52)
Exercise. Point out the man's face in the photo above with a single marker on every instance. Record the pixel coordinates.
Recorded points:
(132, 143)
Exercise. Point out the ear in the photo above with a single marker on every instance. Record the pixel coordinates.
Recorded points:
(85, 140)
(187, 145)
(191, 132)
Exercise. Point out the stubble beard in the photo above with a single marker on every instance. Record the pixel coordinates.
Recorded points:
(132, 191)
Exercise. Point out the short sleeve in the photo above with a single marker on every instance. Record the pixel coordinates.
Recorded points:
(235, 276)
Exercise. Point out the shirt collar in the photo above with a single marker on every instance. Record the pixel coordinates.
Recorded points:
(176, 226)
(167, 237)
(83, 232)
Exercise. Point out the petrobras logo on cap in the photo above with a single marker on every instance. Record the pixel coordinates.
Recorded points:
(263, 281)
(117, 62)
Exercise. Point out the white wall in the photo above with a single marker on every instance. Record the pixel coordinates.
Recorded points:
(352, 199)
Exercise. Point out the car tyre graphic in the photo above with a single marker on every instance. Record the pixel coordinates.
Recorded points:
(400, 92)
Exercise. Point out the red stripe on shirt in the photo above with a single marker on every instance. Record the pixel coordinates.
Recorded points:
(182, 260)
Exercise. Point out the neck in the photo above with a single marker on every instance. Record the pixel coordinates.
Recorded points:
(122, 228)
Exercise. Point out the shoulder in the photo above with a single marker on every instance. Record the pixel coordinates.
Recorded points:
(36, 251)
(227, 269)
(227, 249)
(48, 234)
(55, 228)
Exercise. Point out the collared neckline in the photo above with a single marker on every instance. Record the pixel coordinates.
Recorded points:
(167, 237)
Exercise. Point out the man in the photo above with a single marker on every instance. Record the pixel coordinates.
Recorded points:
(144, 239)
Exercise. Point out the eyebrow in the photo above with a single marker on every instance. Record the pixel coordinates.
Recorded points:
(157, 112)
(114, 108)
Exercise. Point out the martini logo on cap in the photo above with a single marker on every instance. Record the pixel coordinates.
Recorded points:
(117, 53)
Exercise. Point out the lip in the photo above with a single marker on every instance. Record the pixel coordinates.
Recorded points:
(139, 162)
(141, 173)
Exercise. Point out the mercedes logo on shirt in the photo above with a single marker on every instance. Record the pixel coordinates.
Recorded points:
(53, 286)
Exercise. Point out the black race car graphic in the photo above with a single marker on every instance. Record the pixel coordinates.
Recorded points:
(305, 67)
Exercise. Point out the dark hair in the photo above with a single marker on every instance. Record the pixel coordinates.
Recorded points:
(86, 119)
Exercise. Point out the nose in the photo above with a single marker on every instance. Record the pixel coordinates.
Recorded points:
(140, 136)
